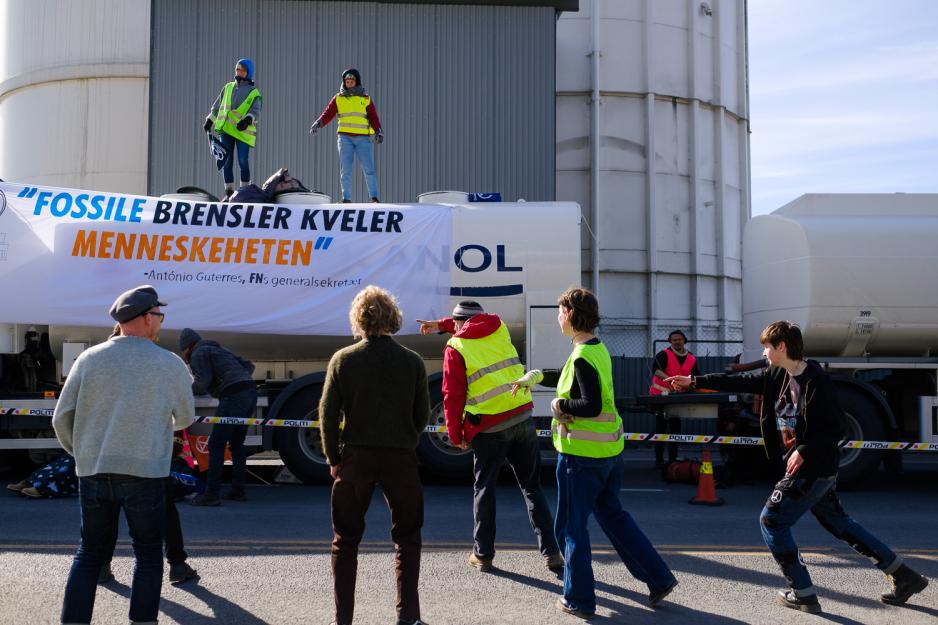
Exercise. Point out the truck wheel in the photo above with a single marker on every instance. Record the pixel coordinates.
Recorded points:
(437, 454)
(301, 448)
(863, 420)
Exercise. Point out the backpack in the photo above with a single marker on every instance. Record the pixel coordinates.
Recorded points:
(283, 182)
(251, 194)
(682, 471)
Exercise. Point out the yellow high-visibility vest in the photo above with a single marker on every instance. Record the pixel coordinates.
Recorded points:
(601, 436)
(227, 119)
(492, 364)
(353, 118)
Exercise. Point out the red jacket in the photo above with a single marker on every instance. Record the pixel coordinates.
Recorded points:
(332, 110)
(454, 381)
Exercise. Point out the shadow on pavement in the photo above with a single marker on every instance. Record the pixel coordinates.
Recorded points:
(223, 610)
(640, 613)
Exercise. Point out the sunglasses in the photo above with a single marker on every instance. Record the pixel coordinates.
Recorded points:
(158, 314)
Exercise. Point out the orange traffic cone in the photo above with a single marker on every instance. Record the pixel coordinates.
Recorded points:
(706, 488)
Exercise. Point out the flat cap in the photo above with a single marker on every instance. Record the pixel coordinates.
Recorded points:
(133, 303)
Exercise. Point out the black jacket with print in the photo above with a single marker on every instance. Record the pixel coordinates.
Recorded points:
(819, 426)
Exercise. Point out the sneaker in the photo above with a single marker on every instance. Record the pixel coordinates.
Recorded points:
(235, 495)
(563, 606)
(654, 598)
(554, 561)
(29, 491)
(105, 575)
(18, 487)
(181, 572)
(375, 200)
(205, 500)
(483, 564)
(905, 583)
(401, 621)
(807, 604)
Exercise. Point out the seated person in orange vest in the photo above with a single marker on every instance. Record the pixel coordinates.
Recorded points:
(479, 365)
(673, 358)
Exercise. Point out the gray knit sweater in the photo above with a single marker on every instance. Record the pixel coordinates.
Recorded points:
(119, 407)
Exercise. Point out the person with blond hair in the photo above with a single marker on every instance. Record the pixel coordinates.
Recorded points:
(379, 389)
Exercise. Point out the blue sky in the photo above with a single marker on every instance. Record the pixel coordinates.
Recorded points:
(844, 98)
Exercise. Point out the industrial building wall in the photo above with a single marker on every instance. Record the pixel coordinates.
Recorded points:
(465, 92)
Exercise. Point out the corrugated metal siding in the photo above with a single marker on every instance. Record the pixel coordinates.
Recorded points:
(465, 93)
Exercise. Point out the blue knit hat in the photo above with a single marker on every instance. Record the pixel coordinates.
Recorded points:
(248, 66)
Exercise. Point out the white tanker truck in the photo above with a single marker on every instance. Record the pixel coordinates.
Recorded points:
(859, 274)
(65, 254)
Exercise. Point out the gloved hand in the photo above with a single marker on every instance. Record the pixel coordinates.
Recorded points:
(529, 379)
(314, 128)
(244, 123)
(379, 138)
(208, 124)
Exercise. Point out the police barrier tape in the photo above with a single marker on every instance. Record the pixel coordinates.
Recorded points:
(699, 439)
(629, 436)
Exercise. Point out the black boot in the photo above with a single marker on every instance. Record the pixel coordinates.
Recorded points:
(905, 583)
(808, 603)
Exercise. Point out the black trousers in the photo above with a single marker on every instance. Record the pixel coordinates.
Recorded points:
(518, 445)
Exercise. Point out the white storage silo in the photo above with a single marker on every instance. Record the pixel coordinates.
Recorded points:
(652, 141)
(74, 99)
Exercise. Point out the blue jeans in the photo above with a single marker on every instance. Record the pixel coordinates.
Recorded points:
(351, 146)
(102, 496)
(243, 150)
(588, 486)
(519, 446)
(241, 404)
(790, 499)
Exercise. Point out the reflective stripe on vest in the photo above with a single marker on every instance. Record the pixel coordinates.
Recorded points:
(674, 367)
(353, 115)
(227, 119)
(489, 373)
(601, 436)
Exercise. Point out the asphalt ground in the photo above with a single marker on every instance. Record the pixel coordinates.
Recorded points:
(267, 561)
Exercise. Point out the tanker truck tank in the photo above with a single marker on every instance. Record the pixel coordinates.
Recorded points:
(858, 274)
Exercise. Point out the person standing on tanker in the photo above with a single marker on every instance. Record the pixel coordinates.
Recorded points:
(377, 390)
(675, 359)
(227, 377)
(479, 364)
(358, 122)
(116, 415)
(802, 425)
(588, 436)
(234, 117)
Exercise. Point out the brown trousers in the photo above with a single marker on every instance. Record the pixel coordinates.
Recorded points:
(397, 475)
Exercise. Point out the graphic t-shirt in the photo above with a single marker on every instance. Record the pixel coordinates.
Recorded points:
(788, 407)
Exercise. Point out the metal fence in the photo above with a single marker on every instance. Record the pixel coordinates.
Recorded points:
(630, 338)
(633, 347)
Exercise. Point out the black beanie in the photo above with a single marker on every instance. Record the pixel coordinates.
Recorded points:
(353, 72)
(188, 337)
